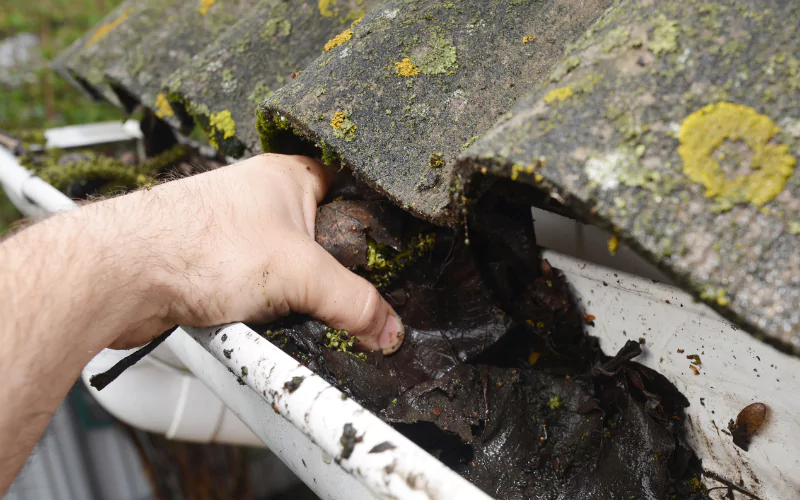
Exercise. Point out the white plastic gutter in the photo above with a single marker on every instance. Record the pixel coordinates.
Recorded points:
(304, 427)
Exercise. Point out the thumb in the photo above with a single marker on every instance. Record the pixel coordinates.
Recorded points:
(333, 294)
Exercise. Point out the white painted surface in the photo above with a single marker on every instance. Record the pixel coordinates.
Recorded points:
(92, 134)
(736, 370)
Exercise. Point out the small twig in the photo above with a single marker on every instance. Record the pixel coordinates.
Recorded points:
(729, 485)
(101, 380)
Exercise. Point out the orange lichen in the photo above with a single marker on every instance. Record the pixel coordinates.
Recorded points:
(534, 358)
(105, 29)
(339, 39)
(406, 68)
(205, 5)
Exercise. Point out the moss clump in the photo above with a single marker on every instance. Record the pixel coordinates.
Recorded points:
(329, 155)
(555, 403)
(340, 340)
(665, 36)
(439, 57)
(384, 265)
(116, 175)
(406, 68)
(436, 160)
(343, 127)
(277, 337)
(705, 131)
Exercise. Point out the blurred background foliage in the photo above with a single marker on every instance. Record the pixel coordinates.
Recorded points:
(32, 96)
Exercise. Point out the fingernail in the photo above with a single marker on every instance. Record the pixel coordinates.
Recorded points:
(392, 335)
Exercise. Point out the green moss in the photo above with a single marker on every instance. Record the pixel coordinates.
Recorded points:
(436, 160)
(340, 340)
(384, 264)
(665, 36)
(329, 155)
(555, 403)
(116, 175)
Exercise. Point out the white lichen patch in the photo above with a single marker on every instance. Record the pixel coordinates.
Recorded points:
(604, 171)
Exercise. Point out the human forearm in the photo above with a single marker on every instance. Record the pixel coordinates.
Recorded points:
(63, 297)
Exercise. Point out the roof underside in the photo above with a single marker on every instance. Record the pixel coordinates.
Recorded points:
(676, 123)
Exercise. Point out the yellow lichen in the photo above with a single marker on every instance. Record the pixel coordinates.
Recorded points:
(528, 39)
(163, 109)
(223, 122)
(339, 39)
(343, 127)
(613, 245)
(106, 28)
(534, 358)
(558, 94)
(406, 68)
(355, 23)
(205, 5)
(338, 119)
(705, 130)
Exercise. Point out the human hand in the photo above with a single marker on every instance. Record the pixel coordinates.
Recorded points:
(237, 244)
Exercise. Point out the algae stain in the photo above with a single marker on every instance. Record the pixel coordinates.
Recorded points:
(105, 29)
(558, 94)
(163, 108)
(406, 68)
(223, 122)
(205, 5)
(705, 131)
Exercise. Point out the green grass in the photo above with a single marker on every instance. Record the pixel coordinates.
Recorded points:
(49, 101)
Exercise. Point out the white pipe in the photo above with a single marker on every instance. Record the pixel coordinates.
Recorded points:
(304, 420)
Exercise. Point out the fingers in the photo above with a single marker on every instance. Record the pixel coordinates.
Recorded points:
(328, 291)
